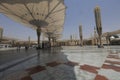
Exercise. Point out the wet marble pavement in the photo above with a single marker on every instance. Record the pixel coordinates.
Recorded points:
(68, 63)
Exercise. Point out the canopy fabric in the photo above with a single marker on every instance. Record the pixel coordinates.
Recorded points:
(35, 13)
(52, 35)
(111, 33)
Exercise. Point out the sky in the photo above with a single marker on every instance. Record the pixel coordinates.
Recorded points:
(78, 12)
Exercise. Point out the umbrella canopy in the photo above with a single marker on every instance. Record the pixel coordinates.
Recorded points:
(55, 32)
(98, 23)
(35, 13)
(98, 20)
(53, 35)
(111, 33)
(54, 29)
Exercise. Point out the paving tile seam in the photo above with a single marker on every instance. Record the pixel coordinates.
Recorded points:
(109, 65)
(14, 63)
(54, 64)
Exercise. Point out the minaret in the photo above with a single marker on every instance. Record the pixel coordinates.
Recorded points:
(71, 38)
(98, 23)
(80, 34)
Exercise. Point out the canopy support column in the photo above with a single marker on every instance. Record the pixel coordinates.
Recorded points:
(49, 39)
(38, 36)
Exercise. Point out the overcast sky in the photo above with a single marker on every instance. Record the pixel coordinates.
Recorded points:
(77, 12)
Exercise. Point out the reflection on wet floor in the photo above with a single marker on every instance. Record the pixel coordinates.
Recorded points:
(68, 63)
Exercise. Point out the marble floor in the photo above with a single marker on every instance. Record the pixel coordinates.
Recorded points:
(68, 63)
